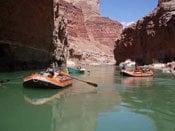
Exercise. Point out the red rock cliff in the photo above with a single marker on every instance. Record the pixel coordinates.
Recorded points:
(89, 33)
(90, 8)
(104, 30)
(75, 19)
(151, 39)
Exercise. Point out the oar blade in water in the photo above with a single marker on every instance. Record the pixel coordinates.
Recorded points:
(93, 84)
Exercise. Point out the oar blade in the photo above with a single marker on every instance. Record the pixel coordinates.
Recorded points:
(93, 84)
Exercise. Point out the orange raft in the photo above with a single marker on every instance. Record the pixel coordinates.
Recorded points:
(137, 73)
(46, 81)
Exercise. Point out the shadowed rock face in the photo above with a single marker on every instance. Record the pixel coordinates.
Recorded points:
(30, 33)
(151, 39)
(26, 29)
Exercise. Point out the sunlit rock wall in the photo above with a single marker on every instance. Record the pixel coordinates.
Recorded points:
(150, 39)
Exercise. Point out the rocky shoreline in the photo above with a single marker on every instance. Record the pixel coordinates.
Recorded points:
(93, 60)
(168, 68)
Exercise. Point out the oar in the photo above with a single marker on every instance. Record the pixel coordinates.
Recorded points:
(90, 83)
(87, 82)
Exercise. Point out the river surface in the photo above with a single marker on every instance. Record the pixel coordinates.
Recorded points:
(118, 104)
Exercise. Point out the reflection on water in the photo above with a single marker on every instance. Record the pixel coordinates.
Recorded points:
(40, 96)
(43, 96)
(155, 99)
(118, 104)
(80, 112)
(72, 107)
(125, 120)
(136, 81)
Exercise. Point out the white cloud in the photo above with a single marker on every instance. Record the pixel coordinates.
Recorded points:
(126, 24)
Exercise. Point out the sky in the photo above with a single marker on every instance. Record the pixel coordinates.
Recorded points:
(126, 11)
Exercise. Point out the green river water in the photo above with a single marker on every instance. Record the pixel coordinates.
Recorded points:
(118, 104)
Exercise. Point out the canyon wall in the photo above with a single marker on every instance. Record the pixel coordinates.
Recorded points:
(34, 33)
(91, 36)
(75, 19)
(90, 8)
(150, 39)
(25, 33)
(104, 30)
(30, 33)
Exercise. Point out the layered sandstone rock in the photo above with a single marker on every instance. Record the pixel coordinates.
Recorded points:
(104, 30)
(75, 19)
(151, 39)
(30, 33)
(91, 36)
